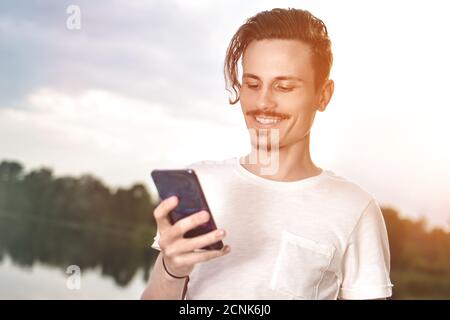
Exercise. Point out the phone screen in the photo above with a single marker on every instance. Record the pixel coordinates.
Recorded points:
(186, 186)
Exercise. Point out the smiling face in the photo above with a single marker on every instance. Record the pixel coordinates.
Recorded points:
(278, 89)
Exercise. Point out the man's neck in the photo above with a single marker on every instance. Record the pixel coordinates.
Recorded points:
(294, 162)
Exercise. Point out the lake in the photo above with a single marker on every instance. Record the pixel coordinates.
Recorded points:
(35, 255)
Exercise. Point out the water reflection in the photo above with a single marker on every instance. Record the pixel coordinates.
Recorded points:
(108, 258)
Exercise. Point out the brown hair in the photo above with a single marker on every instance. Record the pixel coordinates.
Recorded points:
(290, 24)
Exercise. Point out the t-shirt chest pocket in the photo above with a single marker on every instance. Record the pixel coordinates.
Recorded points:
(300, 266)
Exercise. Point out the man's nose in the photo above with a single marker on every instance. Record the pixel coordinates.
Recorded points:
(265, 99)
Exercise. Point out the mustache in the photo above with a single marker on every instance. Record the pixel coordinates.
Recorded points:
(267, 113)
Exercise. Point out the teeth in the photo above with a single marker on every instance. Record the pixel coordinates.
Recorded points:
(267, 120)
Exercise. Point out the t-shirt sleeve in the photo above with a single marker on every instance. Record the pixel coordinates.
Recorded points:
(155, 244)
(366, 261)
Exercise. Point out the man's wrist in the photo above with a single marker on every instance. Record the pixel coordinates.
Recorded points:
(170, 275)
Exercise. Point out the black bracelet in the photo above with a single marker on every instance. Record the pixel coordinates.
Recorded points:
(170, 274)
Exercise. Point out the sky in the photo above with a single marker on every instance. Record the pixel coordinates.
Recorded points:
(140, 86)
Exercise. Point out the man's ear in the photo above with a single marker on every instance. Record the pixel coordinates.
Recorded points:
(325, 95)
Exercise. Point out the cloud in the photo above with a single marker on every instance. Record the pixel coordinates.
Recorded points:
(117, 138)
(157, 52)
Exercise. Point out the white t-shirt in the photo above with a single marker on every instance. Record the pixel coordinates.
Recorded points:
(321, 237)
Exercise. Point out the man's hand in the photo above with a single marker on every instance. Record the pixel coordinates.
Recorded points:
(178, 252)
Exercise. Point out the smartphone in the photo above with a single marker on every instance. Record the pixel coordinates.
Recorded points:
(186, 186)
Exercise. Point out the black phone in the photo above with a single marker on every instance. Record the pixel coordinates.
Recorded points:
(186, 186)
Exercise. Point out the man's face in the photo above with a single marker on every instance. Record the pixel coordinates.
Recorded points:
(278, 88)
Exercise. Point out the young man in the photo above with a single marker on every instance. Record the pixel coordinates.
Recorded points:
(296, 231)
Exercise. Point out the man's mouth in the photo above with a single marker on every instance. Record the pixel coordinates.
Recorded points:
(268, 121)
(265, 120)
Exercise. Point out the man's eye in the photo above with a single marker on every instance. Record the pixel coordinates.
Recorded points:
(285, 88)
